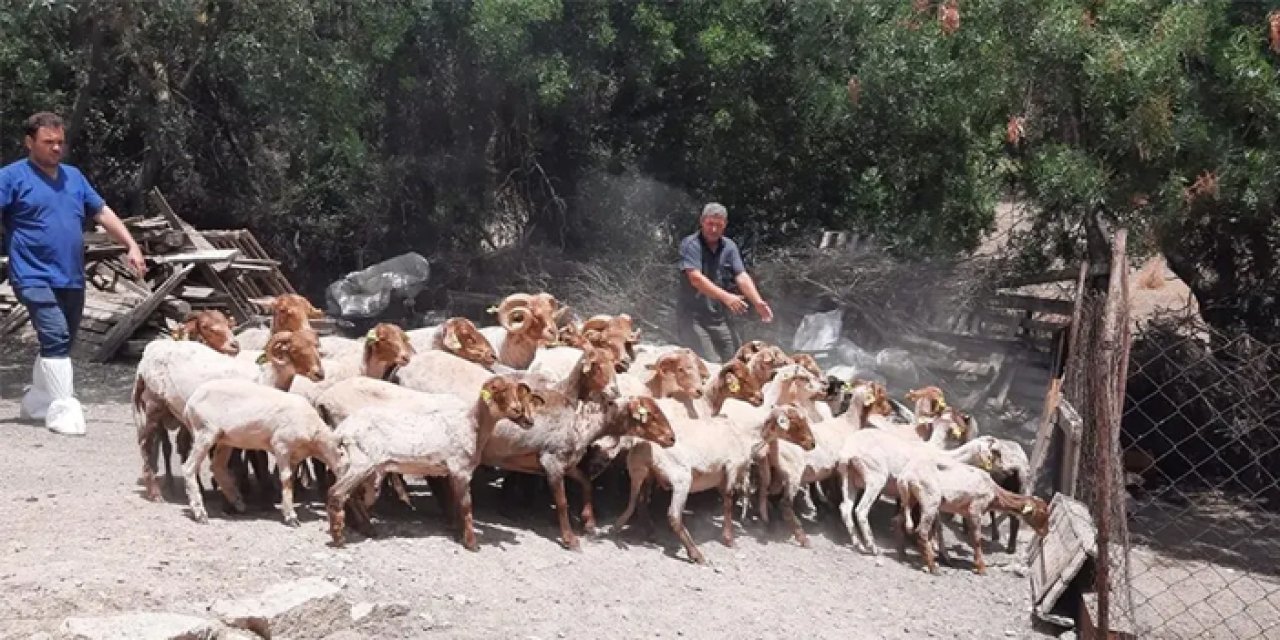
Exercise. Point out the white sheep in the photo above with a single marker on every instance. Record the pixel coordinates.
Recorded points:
(444, 442)
(242, 414)
(170, 371)
(709, 453)
(561, 433)
(873, 456)
(951, 486)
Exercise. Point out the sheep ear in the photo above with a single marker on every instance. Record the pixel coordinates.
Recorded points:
(451, 341)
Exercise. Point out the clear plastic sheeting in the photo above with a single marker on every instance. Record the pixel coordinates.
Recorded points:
(818, 331)
(368, 293)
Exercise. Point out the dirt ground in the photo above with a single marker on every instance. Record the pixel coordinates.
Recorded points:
(78, 539)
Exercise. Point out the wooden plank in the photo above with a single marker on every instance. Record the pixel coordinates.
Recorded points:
(162, 205)
(131, 322)
(1044, 435)
(209, 256)
(1019, 322)
(196, 292)
(1057, 275)
(1073, 429)
(1031, 303)
(15, 319)
(1056, 559)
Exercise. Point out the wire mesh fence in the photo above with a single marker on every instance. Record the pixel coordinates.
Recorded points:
(1200, 438)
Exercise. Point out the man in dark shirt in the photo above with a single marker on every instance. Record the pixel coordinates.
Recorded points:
(713, 280)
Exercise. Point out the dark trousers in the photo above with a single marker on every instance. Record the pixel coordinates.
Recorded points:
(55, 314)
(719, 329)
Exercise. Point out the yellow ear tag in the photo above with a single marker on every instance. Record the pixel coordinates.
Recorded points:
(942, 404)
(956, 432)
(846, 387)
(451, 342)
(985, 463)
(1027, 509)
(371, 337)
(641, 414)
(869, 401)
(262, 358)
(734, 387)
(486, 395)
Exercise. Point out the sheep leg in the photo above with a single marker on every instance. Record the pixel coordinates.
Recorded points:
(461, 485)
(975, 541)
(440, 491)
(241, 469)
(151, 421)
(726, 495)
(762, 498)
(939, 535)
(191, 469)
(873, 485)
(262, 473)
(284, 465)
(679, 495)
(789, 512)
(556, 480)
(227, 486)
(166, 451)
(397, 484)
(588, 508)
(1012, 546)
(338, 494)
(304, 475)
(638, 477)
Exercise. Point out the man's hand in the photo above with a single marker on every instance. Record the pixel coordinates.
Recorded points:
(765, 311)
(136, 262)
(736, 303)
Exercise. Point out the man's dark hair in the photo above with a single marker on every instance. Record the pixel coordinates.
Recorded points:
(42, 119)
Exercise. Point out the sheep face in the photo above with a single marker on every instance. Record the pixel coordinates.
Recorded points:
(291, 312)
(797, 382)
(645, 420)
(386, 347)
(461, 338)
(210, 327)
(766, 362)
(613, 333)
(1036, 514)
(740, 384)
(597, 369)
(929, 401)
(749, 349)
(677, 374)
(809, 363)
(510, 399)
(959, 425)
(297, 352)
(787, 422)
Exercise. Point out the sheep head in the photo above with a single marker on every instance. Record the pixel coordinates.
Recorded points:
(290, 312)
(386, 348)
(461, 338)
(1035, 512)
(295, 353)
(766, 361)
(614, 333)
(809, 363)
(748, 349)
(676, 374)
(210, 327)
(597, 370)
(509, 398)
(787, 422)
(643, 419)
(798, 384)
(739, 383)
(928, 401)
(532, 315)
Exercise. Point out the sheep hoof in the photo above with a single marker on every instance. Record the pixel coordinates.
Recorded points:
(200, 517)
(698, 558)
(292, 521)
(804, 543)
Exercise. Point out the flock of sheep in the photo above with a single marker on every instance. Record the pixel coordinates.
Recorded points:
(543, 394)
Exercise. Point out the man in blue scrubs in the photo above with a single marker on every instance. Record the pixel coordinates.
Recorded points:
(44, 204)
(713, 280)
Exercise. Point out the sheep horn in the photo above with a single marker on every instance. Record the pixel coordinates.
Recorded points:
(512, 304)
